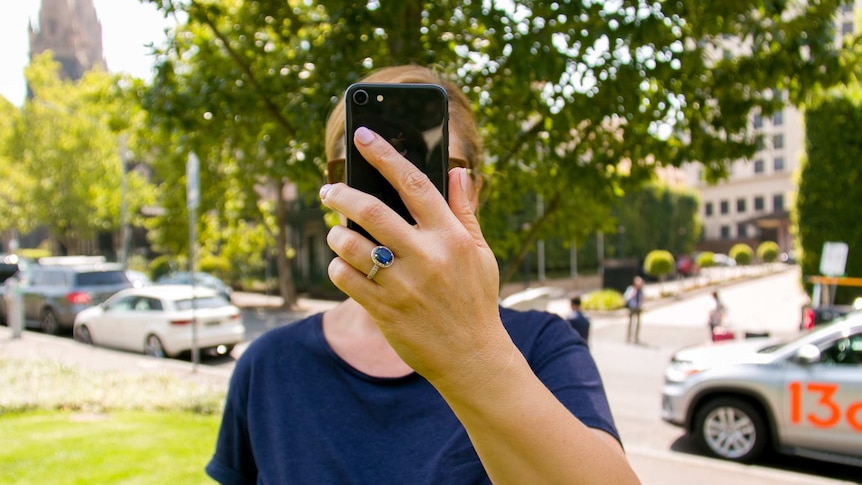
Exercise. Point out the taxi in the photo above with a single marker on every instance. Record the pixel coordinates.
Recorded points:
(802, 397)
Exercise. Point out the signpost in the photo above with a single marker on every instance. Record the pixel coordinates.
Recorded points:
(833, 262)
(192, 202)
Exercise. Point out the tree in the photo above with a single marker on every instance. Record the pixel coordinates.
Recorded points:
(65, 144)
(831, 167)
(579, 102)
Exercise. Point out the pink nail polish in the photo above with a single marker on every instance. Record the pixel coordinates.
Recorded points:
(364, 135)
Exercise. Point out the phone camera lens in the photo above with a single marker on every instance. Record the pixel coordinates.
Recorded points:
(360, 97)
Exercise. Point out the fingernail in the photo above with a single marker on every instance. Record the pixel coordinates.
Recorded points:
(364, 135)
(324, 190)
(462, 178)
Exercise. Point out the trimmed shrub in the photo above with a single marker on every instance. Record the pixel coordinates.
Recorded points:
(658, 263)
(705, 259)
(606, 299)
(741, 253)
(768, 251)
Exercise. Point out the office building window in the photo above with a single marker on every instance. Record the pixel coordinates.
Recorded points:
(778, 202)
(725, 232)
(847, 28)
(742, 230)
(778, 142)
(724, 207)
(778, 118)
(740, 206)
(708, 209)
(758, 166)
(778, 164)
(757, 121)
(758, 203)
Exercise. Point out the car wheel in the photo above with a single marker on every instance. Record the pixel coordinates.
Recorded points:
(82, 334)
(154, 348)
(50, 324)
(732, 429)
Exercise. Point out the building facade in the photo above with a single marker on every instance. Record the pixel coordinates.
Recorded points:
(753, 204)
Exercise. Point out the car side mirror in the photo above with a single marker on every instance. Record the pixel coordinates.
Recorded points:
(808, 354)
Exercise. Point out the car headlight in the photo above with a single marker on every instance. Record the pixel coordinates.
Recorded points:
(680, 370)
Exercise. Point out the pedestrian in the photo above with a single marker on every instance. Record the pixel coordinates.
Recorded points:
(634, 299)
(578, 320)
(419, 376)
(716, 315)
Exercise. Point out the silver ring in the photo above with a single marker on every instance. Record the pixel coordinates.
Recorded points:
(382, 257)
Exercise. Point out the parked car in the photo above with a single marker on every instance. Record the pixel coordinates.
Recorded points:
(201, 279)
(138, 279)
(686, 266)
(157, 320)
(801, 397)
(719, 259)
(55, 289)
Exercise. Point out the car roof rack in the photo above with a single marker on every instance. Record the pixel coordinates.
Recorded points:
(70, 260)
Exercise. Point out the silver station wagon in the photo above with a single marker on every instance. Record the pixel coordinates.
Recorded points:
(801, 397)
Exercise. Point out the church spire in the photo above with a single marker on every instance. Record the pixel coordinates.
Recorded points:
(72, 31)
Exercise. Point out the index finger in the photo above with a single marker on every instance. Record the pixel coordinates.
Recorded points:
(421, 197)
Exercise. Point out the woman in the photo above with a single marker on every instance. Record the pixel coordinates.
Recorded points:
(418, 377)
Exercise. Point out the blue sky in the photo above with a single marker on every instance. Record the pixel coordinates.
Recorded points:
(127, 26)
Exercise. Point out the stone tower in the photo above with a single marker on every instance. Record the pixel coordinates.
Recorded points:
(72, 31)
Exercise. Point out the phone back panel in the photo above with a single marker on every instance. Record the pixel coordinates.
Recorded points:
(413, 118)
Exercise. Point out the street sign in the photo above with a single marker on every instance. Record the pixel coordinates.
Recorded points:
(193, 182)
(833, 259)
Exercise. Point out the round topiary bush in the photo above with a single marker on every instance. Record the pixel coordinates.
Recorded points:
(658, 263)
(768, 251)
(741, 253)
(705, 259)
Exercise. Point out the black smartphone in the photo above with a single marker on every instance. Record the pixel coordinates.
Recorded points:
(414, 119)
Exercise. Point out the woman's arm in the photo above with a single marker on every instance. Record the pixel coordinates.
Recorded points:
(437, 307)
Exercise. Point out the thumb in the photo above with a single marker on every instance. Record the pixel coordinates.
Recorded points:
(460, 191)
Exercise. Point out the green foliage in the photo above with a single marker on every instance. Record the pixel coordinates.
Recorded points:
(65, 144)
(741, 253)
(603, 300)
(829, 200)
(656, 216)
(705, 260)
(768, 251)
(165, 264)
(659, 263)
(215, 265)
(33, 254)
(247, 86)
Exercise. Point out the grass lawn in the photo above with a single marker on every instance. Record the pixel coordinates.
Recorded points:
(65, 425)
(129, 447)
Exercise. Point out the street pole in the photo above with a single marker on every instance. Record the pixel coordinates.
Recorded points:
(124, 205)
(192, 201)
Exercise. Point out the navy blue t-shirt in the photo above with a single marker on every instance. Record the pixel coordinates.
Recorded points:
(298, 413)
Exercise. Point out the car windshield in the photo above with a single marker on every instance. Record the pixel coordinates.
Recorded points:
(101, 278)
(206, 302)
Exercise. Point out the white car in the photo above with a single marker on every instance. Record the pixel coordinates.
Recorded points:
(157, 320)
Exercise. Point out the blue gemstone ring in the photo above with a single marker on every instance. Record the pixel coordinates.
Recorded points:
(382, 257)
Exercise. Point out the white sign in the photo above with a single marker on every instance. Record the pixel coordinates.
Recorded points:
(192, 182)
(834, 258)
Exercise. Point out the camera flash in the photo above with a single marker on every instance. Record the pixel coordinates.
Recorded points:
(379, 98)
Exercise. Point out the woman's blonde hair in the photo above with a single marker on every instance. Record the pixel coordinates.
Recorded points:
(460, 111)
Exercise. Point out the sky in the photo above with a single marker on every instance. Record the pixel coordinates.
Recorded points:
(127, 27)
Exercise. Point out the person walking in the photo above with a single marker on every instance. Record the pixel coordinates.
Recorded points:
(578, 320)
(716, 317)
(634, 297)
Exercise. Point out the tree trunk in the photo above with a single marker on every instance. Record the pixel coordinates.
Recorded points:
(286, 286)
